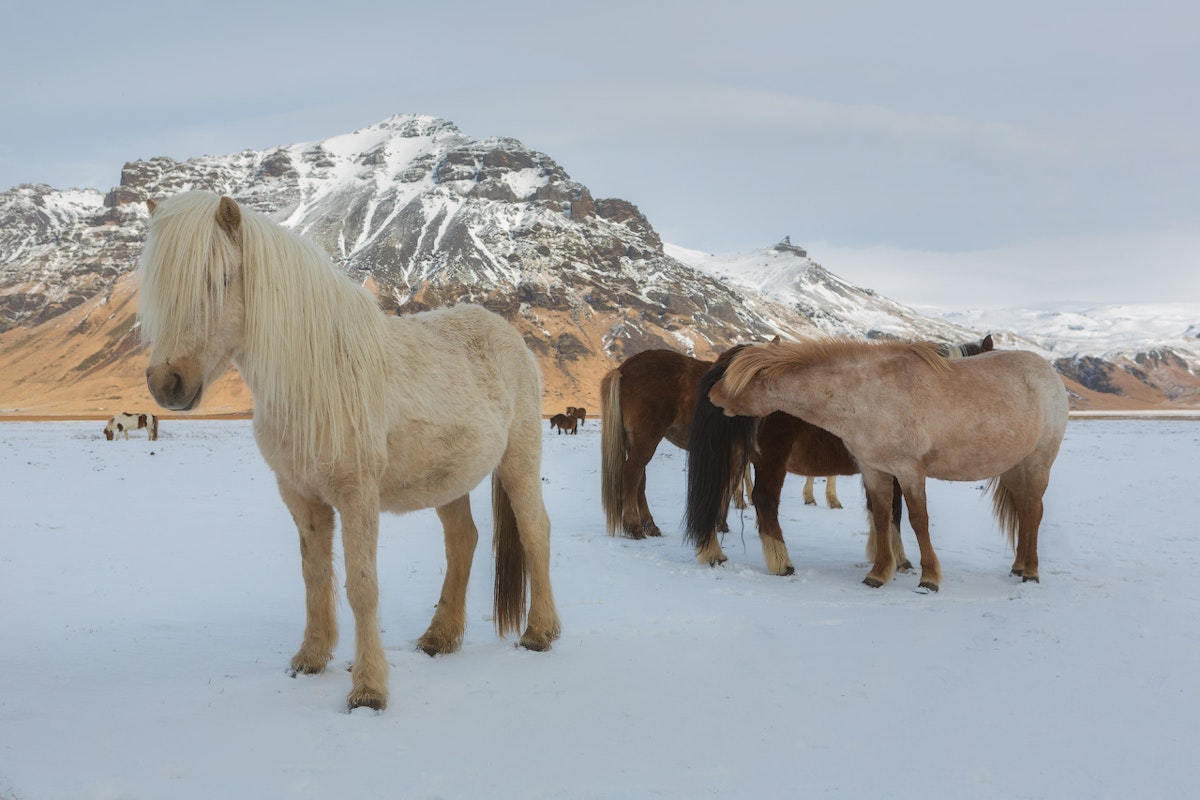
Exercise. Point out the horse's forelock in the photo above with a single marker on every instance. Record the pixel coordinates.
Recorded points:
(183, 272)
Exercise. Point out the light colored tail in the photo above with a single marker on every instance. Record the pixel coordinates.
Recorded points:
(1004, 507)
(612, 451)
(512, 574)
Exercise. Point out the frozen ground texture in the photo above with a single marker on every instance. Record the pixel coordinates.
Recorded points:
(150, 598)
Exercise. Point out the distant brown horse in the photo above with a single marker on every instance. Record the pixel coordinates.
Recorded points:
(564, 424)
(578, 412)
(906, 412)
(651, 396)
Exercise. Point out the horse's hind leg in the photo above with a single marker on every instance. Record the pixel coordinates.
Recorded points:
(519, 473)
(314, 522)
(445, 631)
(810, 499)
(1018, 506)
(636, 518)
(831, 498)
(770, 471)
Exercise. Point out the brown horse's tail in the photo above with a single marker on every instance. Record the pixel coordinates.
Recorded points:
(512, 574)
(1004, 508)
(612, 450)
(719, 450)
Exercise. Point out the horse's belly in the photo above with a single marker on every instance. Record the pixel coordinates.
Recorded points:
(432, 480)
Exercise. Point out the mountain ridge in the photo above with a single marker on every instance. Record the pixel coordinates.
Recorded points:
(427, 216)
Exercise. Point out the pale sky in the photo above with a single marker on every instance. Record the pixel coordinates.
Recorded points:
(950, 154)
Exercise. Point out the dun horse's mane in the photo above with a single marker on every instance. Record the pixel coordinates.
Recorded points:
(772, 360)
(315, 343)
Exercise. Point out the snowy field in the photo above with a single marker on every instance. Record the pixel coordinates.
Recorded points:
(150, 599)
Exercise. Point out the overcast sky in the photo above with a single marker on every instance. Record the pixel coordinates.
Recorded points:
(952, 154)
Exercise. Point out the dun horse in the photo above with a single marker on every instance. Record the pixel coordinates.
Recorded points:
(651, 396)
(355, 411)
(715, 460)
(907, 412)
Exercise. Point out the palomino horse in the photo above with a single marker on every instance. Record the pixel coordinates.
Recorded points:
(564, 423)
(355, 411)
(782, 444)
(906, 412)
(123, 423)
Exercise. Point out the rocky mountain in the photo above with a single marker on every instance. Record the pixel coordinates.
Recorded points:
(425, 216)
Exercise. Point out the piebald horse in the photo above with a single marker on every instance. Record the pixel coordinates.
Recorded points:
(906, 412)
(123, 423)
(356, 412)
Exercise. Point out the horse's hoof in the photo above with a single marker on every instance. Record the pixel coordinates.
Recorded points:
(634, 533)
(366, 699)
(834, 505)
(810, 502)
(1030, 579)
(716, 562)
(874, 583)
(930, 585)
(653, 531)
(538, 644)
(788, 570)
(905, 566)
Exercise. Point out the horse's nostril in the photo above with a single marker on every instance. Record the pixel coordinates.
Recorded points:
(176, 384)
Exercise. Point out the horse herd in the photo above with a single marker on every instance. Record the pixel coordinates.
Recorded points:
(359, 412)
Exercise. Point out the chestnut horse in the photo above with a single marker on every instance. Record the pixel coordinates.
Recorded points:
(564, 423)
(356, 412)
(907, 412)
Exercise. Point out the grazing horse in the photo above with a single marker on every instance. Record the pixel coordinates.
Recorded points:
(907, 412)
(356, 412)
(651, 396)
(564, 423)
(782, 444)
(123, 423)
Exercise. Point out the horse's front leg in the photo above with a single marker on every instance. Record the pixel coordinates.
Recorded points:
(314, 523)
(918, 516)
(360, 538)
(445, 632)
(878, 486)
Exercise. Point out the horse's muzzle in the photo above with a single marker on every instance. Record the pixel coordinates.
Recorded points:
(174, 386)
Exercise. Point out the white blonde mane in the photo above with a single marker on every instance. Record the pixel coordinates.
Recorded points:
(315, 347)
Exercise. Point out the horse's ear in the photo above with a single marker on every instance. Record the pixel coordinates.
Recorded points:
(152, 205)
(988, 344)
(776, 339)
(229, 216)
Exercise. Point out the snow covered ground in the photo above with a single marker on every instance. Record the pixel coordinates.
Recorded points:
(150, 598)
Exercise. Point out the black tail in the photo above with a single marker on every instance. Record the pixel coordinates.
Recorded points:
(719, 448)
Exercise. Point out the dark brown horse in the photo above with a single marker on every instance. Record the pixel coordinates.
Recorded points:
(783, 444)
(646, 399)
(578, 412)
(565, 424)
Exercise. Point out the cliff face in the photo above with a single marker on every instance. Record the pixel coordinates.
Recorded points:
(426, 216)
